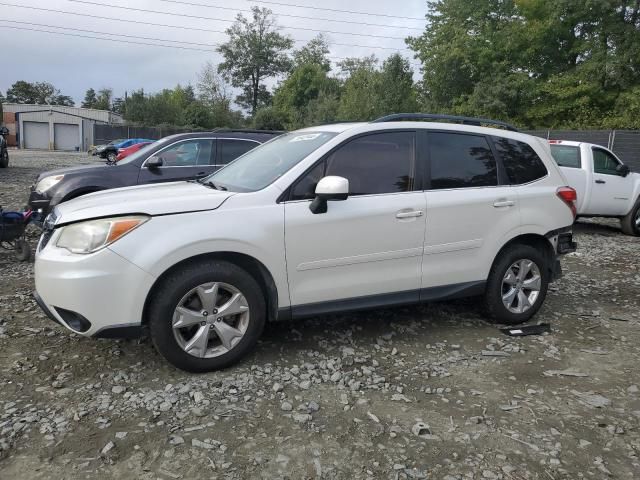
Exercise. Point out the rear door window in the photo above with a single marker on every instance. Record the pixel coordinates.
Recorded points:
(521, 162)
(461, 160)
(229, 150)
(566, 156)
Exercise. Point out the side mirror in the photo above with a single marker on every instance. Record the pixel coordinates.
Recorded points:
(329, 189)
(623, 170)
(154, 162)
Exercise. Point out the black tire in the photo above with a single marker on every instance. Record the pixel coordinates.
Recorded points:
(112, 156)
(23, 250)
(168, 295)
(494, 306)
(629, 222)
(4, 159)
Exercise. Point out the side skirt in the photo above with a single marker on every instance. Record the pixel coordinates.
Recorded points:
(432, 294)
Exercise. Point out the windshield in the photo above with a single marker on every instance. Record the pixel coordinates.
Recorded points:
(142, 153)
(263, 165)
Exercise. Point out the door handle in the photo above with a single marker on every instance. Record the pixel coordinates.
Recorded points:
(503, 202)
(600, 181)
(411, 214)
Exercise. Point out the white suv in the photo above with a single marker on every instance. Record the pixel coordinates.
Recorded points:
(321, 220)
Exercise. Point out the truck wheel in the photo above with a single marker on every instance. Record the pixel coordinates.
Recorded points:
(631, 222)
(517, 285)
(207, 316)
(4, 159)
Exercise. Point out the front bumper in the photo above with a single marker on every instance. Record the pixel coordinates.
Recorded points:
(101, 294)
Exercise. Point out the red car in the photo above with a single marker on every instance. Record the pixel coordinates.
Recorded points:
(125, 152)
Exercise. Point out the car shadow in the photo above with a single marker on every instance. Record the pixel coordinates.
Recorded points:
(597, 226)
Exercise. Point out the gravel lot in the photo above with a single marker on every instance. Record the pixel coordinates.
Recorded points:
(429, 391)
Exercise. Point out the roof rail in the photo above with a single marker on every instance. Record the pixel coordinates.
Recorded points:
(406, 117)
(247, 130)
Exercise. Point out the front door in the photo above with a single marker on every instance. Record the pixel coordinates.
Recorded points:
(610, 192)
(366, 250)
(183, 160)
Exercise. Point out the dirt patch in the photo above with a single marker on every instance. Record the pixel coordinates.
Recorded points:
(336, 396)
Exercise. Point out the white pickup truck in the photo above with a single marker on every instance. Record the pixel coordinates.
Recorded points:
(605, 186)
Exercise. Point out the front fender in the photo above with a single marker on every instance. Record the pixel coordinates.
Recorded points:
(167, 240)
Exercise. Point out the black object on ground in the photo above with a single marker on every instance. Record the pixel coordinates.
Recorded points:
(527, 330)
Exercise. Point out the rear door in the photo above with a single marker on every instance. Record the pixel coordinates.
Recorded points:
(470, 208)
(610, 192)
(183, 160)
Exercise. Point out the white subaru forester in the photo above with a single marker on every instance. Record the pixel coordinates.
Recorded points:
(325, 219)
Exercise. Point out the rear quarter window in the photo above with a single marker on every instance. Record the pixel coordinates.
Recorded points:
(566, 156)
(521, 162)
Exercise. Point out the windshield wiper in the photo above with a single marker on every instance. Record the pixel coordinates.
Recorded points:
(210, 184)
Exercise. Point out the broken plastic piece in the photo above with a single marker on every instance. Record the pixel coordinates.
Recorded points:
(527, 330)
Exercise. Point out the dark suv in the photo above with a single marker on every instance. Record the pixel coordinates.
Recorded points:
(178, 157)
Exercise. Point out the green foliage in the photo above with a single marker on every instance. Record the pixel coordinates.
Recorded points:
(315, 52)
(537, 63)
(269, 118)
(255, 52)
(38, 93)
(297, 97)
(90, 99)
(370, 93)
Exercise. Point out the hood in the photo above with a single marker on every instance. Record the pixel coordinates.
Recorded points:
(156, 199)
(70, 170)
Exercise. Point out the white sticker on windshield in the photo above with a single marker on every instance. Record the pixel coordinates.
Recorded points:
(304, 138)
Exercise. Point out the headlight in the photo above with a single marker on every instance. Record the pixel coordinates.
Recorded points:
(90, 236)
(48, 182)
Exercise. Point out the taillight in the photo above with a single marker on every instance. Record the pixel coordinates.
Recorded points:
(569, 196)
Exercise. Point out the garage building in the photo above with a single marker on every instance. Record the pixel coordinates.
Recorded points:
(53, 127)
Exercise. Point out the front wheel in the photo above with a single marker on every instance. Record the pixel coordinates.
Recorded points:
(207, 316)
(631, 222)
(4, 159)
(112, 157)
(517, 285)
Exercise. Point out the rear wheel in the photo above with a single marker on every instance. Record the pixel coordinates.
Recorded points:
(4, 159)
(517, 285)
(207, 316)
(631, 222)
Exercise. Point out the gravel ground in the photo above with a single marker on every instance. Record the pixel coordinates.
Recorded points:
(430, 391)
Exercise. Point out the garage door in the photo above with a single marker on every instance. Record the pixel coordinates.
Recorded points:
(36, 135)
(66, 136)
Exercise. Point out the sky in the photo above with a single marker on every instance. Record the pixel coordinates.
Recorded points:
(73, 64)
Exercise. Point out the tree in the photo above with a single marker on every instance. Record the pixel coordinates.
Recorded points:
(211, 87)
(295, 95)
(395, 91)
(315, 52)
(90, 99)
(269, 118)
(255, 52)
(39, 93)
(118, 105)
(103, 100)
(533, 62)
(350, 65)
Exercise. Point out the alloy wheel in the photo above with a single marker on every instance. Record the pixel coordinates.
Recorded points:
(521, 286)
(210, 320)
